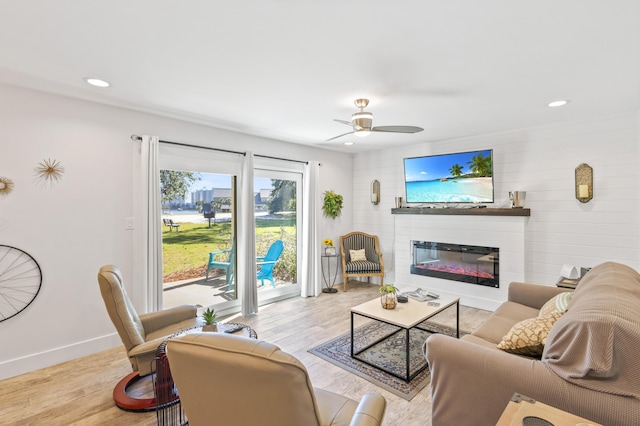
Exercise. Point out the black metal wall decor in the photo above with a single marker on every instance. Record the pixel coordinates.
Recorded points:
(20, 281)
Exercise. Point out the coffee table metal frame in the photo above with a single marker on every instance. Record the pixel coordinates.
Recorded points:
(406, 316)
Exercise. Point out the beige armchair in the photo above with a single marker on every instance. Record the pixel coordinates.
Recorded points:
(233, 380)
(141, 334)
(372, 266)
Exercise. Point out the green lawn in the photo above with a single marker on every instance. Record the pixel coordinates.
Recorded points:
(188, 249)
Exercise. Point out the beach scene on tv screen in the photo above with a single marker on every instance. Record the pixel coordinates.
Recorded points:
(450, 178)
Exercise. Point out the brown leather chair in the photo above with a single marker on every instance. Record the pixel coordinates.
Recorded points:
(372, 266)
(232, 380)
(141, 334)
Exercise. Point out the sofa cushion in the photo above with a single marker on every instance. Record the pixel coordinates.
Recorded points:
(557, 303)
(596, 343)
(529, 336)
(501, 321)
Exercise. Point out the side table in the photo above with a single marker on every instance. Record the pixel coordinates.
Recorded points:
(523, 410)
(325, 265)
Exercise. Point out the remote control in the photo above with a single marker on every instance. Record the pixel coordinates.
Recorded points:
(432, 294)
(234, 329)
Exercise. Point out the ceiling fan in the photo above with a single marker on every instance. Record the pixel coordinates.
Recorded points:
(361, 123)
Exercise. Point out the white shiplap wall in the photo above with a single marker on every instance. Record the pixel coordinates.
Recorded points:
(540, 161)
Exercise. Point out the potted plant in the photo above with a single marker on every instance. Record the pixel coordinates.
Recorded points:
(388, 296)
(209, 317)
(332, 204)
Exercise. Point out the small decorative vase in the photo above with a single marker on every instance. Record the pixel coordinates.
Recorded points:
(210, 327)
(388, 300)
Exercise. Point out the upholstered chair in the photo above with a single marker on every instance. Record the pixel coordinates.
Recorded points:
(233, 380)
(141, 334)
(369, 265)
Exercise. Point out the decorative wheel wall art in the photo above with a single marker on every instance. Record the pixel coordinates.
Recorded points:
(6, 186)
(20, 281)
(49, 172)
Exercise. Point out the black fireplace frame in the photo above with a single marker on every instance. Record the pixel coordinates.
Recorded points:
(492, 253)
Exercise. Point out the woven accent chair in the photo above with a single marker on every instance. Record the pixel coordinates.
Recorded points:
(373, 266)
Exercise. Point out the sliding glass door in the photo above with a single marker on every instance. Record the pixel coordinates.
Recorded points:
(278, 196)
(201, 234)
(199, 192)
(198, 238)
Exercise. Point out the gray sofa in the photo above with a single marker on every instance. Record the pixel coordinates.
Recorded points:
(590, 365)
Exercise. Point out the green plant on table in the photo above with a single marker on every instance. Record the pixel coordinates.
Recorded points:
(388, 289)
(209, 316)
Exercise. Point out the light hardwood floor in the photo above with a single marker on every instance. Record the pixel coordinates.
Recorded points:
(79, 392)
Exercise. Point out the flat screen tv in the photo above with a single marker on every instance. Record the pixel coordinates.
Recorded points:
(465, 177)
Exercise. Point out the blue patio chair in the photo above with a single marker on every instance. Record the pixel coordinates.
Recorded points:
(228, 266)
(267, 262)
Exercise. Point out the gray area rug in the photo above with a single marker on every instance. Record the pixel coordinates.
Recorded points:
(389, 353)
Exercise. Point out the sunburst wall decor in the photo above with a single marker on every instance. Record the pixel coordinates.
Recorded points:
(6, 186)
(49, 172)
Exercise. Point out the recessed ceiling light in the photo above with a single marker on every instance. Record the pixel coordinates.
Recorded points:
(96, 82)
(558, 103)
(348, 143)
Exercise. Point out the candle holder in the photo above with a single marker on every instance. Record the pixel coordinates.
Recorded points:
(584, 183)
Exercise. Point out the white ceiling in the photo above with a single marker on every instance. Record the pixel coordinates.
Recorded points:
(284, 69)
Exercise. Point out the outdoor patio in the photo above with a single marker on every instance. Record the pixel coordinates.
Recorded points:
(203, 292)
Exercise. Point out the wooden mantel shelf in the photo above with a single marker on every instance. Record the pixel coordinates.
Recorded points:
(463, 211)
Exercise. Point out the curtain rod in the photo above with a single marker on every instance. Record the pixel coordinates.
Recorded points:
(138, 138)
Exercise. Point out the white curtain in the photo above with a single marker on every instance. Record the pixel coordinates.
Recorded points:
(148, 232)
(246, 247)
(311, 285)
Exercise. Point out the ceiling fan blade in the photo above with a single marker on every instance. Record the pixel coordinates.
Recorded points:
(339, 136)
(348, 123)
(397, 129)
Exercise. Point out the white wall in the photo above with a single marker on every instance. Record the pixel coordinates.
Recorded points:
(78, 225)
(540, 161)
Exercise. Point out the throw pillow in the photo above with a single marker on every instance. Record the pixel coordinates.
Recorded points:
(529, 336)
(357, 255)
(557, 303)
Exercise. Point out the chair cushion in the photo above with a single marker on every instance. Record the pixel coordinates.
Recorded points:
(120, 309)
(357, 255)
(362, 266)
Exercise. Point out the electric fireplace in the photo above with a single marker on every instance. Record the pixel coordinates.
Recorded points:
(465, 263)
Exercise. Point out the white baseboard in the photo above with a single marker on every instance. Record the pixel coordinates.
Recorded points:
(15, 367)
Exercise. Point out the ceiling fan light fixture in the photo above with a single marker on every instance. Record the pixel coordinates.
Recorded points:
(361, 121)
(362, 115)
(362, 133)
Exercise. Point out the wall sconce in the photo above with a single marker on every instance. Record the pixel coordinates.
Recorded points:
(375, 192)
(584, 183)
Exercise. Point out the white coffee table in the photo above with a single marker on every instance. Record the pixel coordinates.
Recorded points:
(405, 317)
